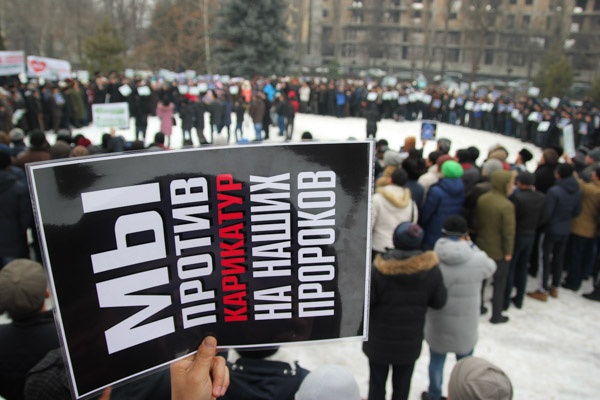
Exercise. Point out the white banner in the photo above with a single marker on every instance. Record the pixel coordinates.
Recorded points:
(111, 115)
(12, 63)
(48, 68)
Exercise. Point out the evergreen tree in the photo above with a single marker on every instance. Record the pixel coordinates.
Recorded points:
(252, 38)
(556, 74)
(105, 50)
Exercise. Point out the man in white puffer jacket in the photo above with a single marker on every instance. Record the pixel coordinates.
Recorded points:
(392, 205)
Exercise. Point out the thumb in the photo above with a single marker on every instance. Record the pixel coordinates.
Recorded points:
(204, 357)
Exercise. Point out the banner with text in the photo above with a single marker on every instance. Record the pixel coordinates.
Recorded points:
(110, 115)
(48, 68)
(12, 63)
(148, 253)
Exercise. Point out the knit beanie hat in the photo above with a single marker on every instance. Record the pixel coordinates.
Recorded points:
(327, 383)
(455, 225)
(22, 288)
(474, 378)
(408, 236)
(452, 169)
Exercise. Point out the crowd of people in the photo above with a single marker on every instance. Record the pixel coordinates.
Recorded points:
(274, 103)
(443, 225)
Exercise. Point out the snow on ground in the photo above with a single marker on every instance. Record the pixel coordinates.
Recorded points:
(549, 350)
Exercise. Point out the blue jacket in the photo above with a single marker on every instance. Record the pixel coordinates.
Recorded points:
(563, 202)
(443, 199)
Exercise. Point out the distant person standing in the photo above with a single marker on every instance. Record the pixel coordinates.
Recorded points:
(373, 117)
(257, 113)
(164, 111)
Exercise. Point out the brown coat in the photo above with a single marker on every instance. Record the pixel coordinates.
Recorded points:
(586, 223)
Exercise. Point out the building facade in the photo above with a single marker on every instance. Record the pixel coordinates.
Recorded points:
(478, 38)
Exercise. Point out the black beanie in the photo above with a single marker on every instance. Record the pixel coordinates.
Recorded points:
(408, 236)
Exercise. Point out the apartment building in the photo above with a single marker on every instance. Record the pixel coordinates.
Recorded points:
(500, 38)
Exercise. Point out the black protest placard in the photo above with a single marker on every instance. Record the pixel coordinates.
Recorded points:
(148, 253)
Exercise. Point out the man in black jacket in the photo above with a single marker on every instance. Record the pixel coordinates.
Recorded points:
(32, 332)
(529, 210)
(15, 213)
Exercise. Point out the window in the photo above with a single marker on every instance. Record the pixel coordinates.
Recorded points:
(490, 39)
(548, 22)
(528, 2)
(488, 57)
(454, 38)
(350, 34)
(325, 13)
(513, 2)
(510, 22)
(453, 55)
(349, 50)
(582, 4)
(526, 21)
(405, 52)
(596, 5)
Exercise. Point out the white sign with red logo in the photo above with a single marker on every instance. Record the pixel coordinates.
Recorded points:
(48, 68)
(12, 63)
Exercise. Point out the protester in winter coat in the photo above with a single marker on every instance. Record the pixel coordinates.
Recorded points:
(164, 111)
(38, 149)
(405, 281)
(430, 178)
(32, 332)
(495, 225)
(454, 328)
(443, 199)
(563, 203)
(199, 110)
(186, 113)
(392, 205)
(581, 249)
(529, 212)
(15, 213)
(544, 174)
(257, 112)
(415, 167)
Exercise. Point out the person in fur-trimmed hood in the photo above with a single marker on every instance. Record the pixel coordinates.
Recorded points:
(405, 281)
(392, 205)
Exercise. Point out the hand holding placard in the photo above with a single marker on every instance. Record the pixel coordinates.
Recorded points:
(202, 376)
